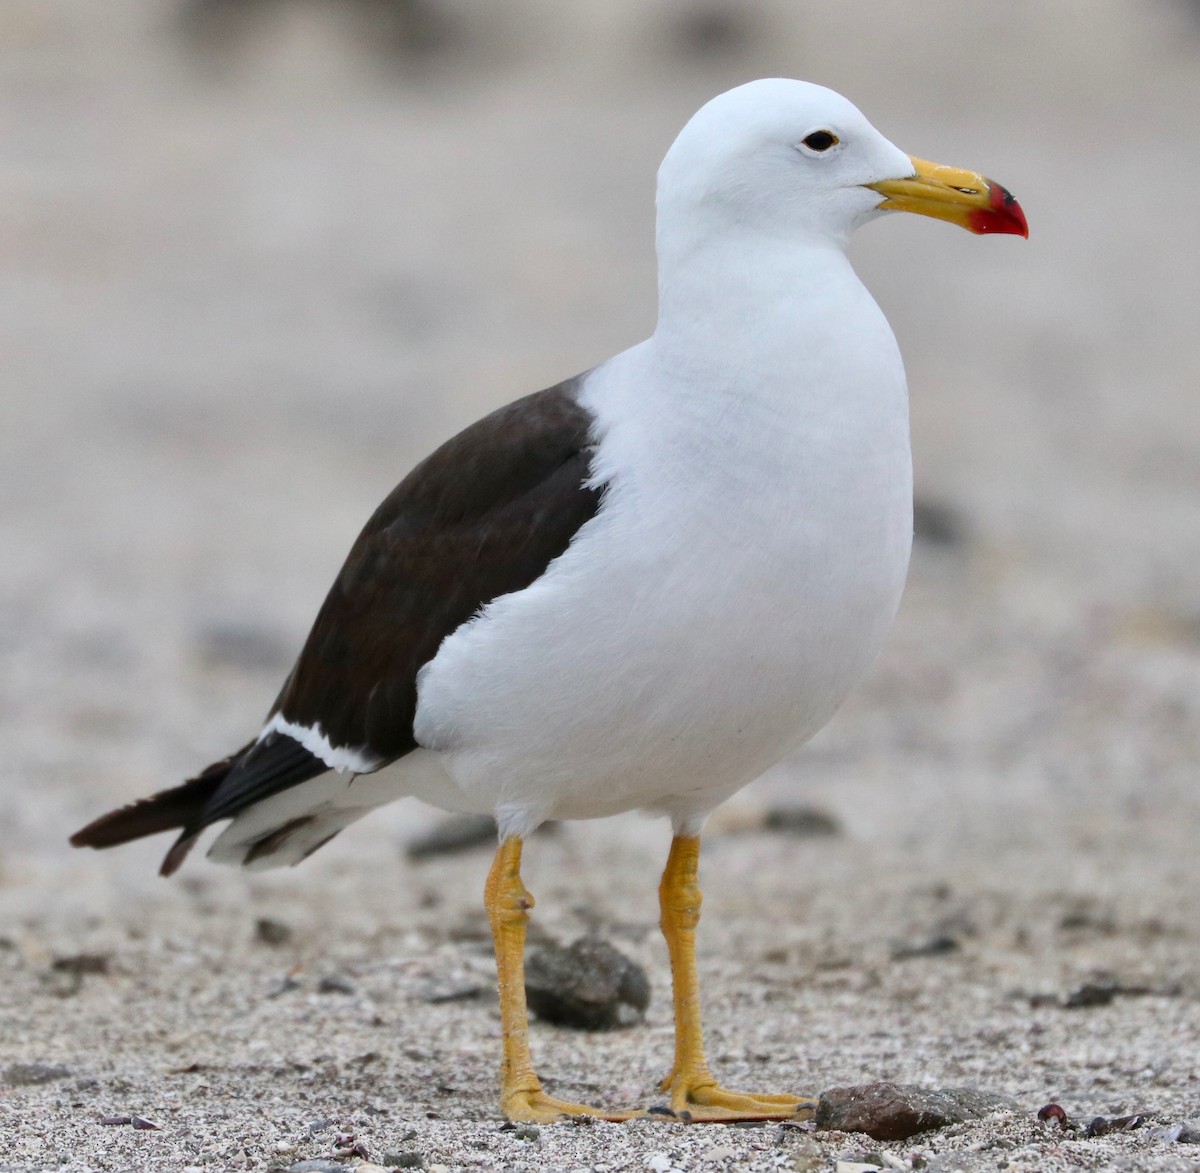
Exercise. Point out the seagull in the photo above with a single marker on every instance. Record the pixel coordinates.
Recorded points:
(638, 589)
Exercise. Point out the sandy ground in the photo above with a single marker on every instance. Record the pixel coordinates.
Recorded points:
(249, 280)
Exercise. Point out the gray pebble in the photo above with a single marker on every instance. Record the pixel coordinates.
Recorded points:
(937, 524)
(404, 1160)
(589, 985)
(803, 822)
(937, 945)
(892, 1111)
(271, 932)
(334, 984)
(25, 1074)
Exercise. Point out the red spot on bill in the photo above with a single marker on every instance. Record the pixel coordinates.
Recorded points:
(1003, 214)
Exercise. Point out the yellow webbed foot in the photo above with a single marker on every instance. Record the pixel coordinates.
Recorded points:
(535, 1107)
(695, 1094)
(704, 1101)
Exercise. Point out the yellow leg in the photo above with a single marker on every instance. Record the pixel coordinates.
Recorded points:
(508, 904)
(695, 1093)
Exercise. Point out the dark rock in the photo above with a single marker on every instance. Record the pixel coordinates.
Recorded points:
(892, 1111)
(589, 985)
(65, 978)
(334, 984)
(1102, 1126)
(1189, 1134)
(936, 946)
(271, 932)
(1102, 993)
(804, 822)
(25, 1074)
(404, 1160)
(713, 30)
(81, 963)
(460, 833)
(937, 524)
(144, 1125)
(1087, 918)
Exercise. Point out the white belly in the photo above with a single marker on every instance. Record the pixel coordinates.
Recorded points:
(705, 623)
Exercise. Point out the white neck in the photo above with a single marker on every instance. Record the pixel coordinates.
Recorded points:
(750, 305)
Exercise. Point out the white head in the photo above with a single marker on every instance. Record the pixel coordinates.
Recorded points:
(796, 161)
(783, 158)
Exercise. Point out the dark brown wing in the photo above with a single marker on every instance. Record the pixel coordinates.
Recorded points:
(481, 517)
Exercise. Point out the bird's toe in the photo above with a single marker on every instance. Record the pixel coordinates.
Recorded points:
(535, 1107)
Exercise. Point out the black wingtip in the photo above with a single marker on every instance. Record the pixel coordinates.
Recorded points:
(174, 858)
(181, 806)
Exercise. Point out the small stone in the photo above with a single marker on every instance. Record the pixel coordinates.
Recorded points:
(334, 984)
(712, 29)
(1101, 994)
(589, 985)
(271, 932)
(890, 1111)
(317, 1167)
(26, 1074)
(802, 822)
(404, 1160)
(936, 946)
(81, 963)
(1189, 1133)
(144, 1125)
(722, 1152)
(460, 833)
(936, 523)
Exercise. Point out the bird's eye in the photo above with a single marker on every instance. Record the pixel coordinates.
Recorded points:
(820, 140)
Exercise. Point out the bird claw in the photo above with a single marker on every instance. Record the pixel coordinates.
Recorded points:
(709, 1103)
(535, 1107)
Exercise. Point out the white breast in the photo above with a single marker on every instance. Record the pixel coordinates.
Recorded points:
(737, 582)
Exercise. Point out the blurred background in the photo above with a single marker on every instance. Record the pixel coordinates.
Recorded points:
(259, 256)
